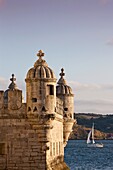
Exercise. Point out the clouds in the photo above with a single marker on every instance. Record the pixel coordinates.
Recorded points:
(83, 86)
(86, 86)
(93, 98)
(2, 2)
(104, 2)
(110, 42)
(5, 83)
(94, 106)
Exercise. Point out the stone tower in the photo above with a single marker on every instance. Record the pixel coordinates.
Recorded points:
(40, 87)
(34, 134)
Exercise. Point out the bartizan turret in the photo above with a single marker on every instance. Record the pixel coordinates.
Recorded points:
(64, 92)
(13, 96)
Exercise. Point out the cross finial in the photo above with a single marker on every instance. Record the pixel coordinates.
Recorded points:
(40, 54)
(62, 73)
(13, 79)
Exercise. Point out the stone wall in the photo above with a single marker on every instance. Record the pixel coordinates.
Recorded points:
(31, 144)
(21, 145)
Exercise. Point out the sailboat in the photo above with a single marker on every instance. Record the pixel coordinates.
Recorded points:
(91, 143)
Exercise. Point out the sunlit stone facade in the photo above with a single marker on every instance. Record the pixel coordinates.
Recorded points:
(33, 134)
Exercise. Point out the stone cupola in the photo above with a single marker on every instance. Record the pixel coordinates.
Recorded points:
(40, 69)
(62, 87)
(40, 87)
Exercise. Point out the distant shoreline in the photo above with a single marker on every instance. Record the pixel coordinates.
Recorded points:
(95, 139)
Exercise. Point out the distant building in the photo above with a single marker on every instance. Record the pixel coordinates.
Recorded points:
(33, 134)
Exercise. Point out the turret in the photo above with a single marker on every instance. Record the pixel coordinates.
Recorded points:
(64, 92)
(40, 88)
(13, 96)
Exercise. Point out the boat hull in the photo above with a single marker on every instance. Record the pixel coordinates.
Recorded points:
(95, 145)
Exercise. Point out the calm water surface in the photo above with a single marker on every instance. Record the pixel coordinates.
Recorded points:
(79, 157)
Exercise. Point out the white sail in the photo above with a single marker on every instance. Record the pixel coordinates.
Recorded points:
(91, 143)
(88, 139)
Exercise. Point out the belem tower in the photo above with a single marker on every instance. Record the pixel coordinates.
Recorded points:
(33, 135)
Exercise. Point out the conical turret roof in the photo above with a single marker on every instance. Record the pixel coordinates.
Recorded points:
(62, 87)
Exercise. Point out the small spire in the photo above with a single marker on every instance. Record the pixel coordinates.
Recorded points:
(13, 79)
(62, 80)
(40, 54)
(12, 86)
(62, 73)
(40, 61)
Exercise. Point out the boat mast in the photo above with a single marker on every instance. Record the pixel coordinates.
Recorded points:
(93, 133)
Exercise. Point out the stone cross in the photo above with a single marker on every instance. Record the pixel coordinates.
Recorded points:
(62, 73)
(40, 54)
(13, 79)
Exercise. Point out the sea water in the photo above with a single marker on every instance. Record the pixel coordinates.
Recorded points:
(79, 157)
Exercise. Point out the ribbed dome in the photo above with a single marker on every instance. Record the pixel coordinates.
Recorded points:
(62, 87)
(40, 72)
(40, 69)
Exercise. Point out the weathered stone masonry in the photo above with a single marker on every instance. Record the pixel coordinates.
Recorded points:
(33, 134)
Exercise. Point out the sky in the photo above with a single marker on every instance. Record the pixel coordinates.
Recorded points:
(74, 34)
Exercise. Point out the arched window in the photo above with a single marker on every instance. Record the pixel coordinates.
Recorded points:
(34, 100)
(50, 89)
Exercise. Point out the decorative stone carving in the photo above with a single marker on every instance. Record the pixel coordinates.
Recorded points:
(67, 129)
(14, 99)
